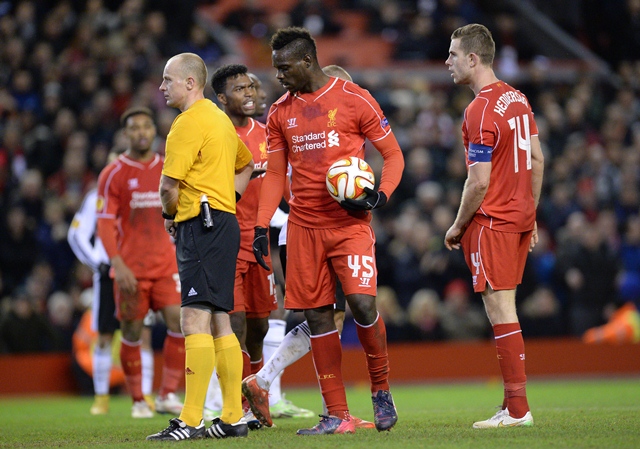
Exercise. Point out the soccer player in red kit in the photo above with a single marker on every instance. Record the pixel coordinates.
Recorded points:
(255, 289)
(142, 258)
(496, 221)
(319, 120)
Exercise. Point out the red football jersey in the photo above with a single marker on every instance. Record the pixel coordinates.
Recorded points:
(128, 192)
(315, 130)
(254, 137)
(497, 128)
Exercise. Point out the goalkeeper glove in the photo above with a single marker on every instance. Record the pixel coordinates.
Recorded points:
(373, 200)
(261, 246)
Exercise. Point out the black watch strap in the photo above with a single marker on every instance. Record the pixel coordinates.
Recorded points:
(166, 216)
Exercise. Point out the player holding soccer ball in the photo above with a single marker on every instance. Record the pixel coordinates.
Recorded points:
(263, 388)
(320, 120)
(496, 222)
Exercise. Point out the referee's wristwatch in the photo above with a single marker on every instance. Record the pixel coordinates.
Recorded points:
(166, 216)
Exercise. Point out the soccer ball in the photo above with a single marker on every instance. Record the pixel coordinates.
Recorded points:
(347, 178)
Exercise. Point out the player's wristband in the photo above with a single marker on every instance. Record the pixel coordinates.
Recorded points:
(166, 216)
(238, 196)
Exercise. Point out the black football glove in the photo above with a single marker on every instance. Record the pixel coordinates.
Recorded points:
(373, 200)
(261, 246)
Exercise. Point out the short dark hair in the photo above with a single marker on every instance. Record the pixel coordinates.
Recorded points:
(300, 39)
(135, 111)
(476, 38)
(220, 76)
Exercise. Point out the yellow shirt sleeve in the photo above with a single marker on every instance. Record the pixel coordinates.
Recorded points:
(243, 156)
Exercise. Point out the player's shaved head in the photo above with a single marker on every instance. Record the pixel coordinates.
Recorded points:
(296, 40)
(337, 71)
(191, 65)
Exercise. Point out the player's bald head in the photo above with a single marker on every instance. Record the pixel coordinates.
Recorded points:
(190, 65)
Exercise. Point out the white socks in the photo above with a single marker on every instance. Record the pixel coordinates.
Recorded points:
(294, 345)
(272, 341)
(146, 356)
(102, 361)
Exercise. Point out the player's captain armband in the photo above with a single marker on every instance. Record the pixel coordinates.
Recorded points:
(479, 153)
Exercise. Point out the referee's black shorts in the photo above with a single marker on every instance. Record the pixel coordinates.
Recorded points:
(207, 261)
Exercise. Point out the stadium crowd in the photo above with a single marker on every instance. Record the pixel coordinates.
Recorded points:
(68, 69)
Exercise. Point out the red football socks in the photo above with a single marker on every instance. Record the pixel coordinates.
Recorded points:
(132, 366)
(173, 354)
(373, 339)
(510, 347)
(246, 364)
(327, 358)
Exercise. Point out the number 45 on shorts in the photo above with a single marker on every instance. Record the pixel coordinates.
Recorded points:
(362, 267)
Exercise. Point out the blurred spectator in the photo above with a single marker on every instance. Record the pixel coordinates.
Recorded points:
(203, 45)
(12, 157)
(39, 284)
(392, 314)
(416, 42)
(542, 262)
(588, 268)
(314, 16)
(410, 244)
(622, 327)
(73, 181)
(30, 197)
(60, 314)
(424, 313)
(460, 318)
(52, 240)
(156, 27)
(540, 314)
(122, 87)
(555, 210)
(387, 20)
(614, 29)
(24, 91)
(418, 168)
(24, 329)
(18, 248)
(629, 279)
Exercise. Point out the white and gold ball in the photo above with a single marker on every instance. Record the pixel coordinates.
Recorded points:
(347, 178)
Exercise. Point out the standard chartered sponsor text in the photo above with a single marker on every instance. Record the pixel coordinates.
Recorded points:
(309, 141)
(140, 200)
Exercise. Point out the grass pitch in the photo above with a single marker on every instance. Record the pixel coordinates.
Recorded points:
(603, 413)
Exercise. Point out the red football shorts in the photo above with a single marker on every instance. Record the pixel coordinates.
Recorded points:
(254, 291)
(316, 256)
(154, 294)
(495, 258)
